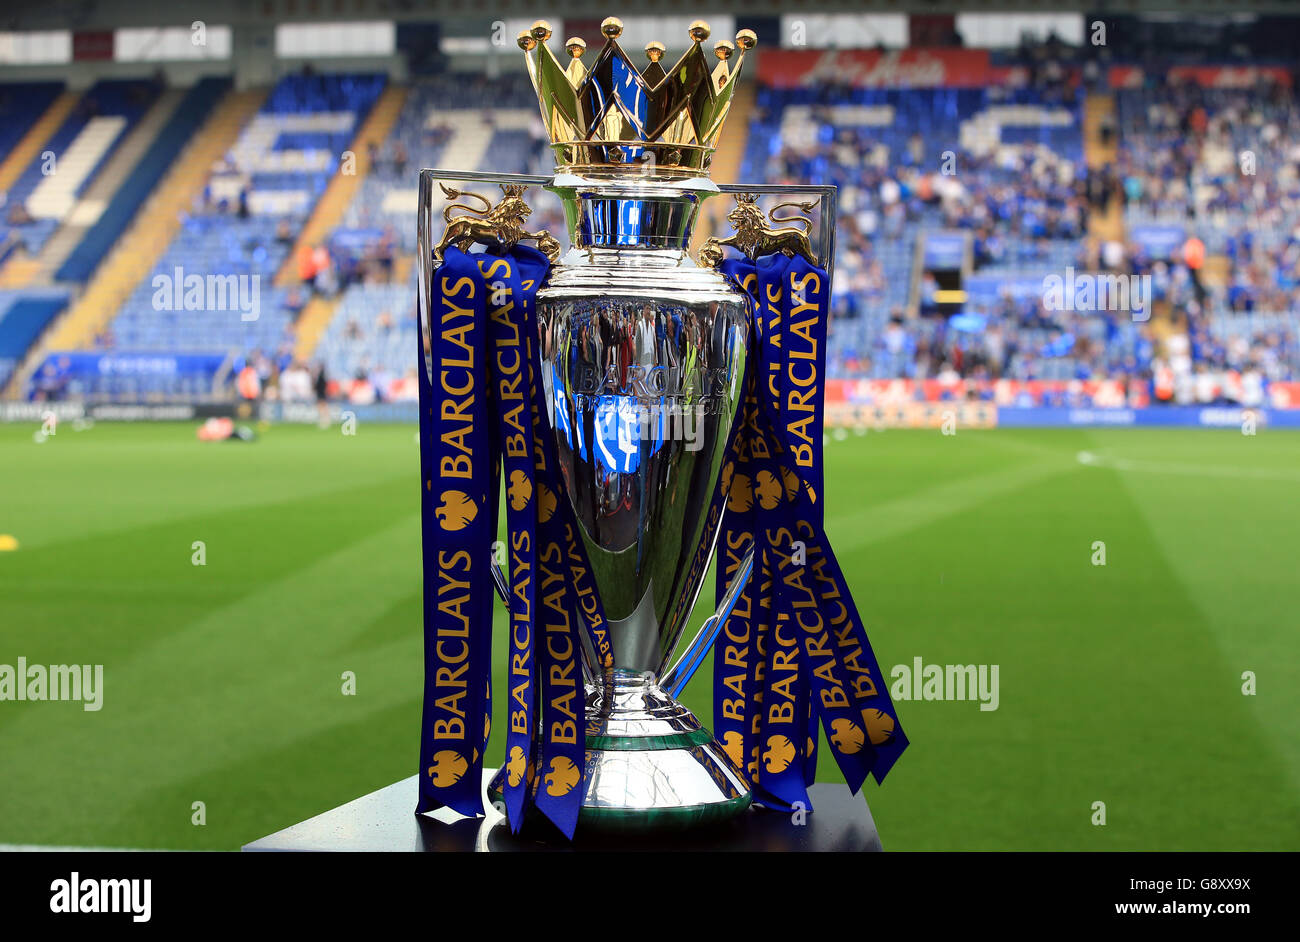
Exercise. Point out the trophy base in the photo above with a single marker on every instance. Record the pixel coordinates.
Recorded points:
(650, 765)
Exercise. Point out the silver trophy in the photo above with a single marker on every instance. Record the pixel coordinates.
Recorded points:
(643, 361)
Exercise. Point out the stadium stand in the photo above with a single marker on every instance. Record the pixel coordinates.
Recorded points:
(484, 123)
(45, 193)
(242, 231)
(447, 122)
(342, 189)
(152, 232)
(23, 315)
(16, 268)
(1211, 185)
(1017, 199)
(1019, 191)
(189, 115)
(1009, 197)
(371, 342)
(21, 106)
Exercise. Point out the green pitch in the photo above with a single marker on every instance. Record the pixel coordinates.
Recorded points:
(1119, 683)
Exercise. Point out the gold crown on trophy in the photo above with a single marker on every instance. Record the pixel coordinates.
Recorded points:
(613, 117)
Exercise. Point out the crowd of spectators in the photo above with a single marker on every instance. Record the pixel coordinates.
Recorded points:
(1221, 164)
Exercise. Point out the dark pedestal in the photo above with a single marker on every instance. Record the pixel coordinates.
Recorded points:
(386, 821)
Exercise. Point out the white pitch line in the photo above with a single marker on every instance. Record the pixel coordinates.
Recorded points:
(1204, 470)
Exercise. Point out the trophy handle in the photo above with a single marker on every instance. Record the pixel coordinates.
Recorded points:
(502, 586)
(828, 201)
(424, 280)
(428, 253)
(676, 678)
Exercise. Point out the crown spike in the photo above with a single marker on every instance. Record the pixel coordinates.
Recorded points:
(610, 116)
(746, 40)
(576, 46)
(653, 73)
(724, 49)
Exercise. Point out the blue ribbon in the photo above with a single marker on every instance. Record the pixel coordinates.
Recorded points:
(838, 683)
(488, 422)
(785, 699)
(562, 750)
(459, 521)
(513, 409)
(735, 657)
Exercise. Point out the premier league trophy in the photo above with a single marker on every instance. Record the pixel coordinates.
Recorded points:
(631, 401)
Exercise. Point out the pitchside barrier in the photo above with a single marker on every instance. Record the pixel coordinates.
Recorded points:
(1166, 416)
(948, 417)
(944, 416)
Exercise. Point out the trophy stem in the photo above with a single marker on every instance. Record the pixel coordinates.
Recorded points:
(650, 763)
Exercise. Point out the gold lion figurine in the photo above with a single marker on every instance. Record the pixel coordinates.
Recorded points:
(500, 226)
(755, 238)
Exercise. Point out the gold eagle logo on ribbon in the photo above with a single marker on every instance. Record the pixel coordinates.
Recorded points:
(880, 726)
(779, 754)
(516, 765)
(457, 510)
(769, 490)
(448, 768)
(847, 736)
(520, 490)
(740, 496)
(546, 503)
(562, 777)
(734, 746)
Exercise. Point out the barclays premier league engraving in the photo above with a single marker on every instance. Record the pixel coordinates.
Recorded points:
(626, 410)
